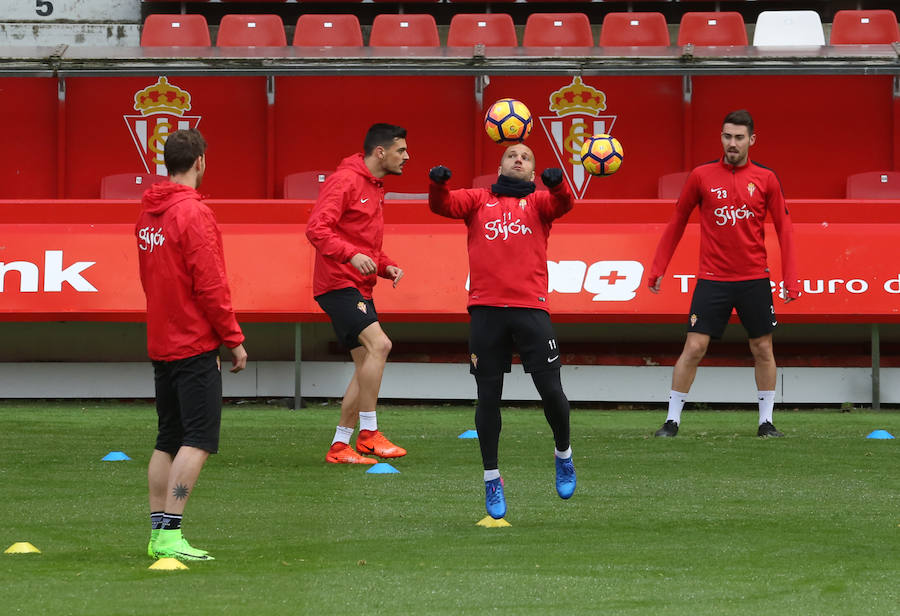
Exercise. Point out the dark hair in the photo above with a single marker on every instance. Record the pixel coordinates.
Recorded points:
(741, 117)
(382, 135)
(183, 148)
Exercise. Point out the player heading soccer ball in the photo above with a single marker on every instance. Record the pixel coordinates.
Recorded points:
(508, 302)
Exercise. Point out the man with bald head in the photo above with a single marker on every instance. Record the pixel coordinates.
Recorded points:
(508, 300)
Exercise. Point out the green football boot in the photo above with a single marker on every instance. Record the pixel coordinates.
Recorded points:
(154, 533)
(171, 544)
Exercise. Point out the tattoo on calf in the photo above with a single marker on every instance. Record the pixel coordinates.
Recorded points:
(180, 491)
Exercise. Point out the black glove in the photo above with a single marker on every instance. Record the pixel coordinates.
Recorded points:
(439, 174)
(552, 177)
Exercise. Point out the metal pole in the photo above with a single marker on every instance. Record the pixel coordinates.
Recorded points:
(876, 368)
(298, 355)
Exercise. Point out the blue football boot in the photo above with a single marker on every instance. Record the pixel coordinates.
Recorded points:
(565, 477)
(494, 501)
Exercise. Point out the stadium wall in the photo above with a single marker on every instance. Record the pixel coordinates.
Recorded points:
(78, 129)
(72, 305)
(821, 116)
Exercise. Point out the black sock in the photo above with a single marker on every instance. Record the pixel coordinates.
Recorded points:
(171, 521)
(156, 520)
(556, 405)
(487, 418)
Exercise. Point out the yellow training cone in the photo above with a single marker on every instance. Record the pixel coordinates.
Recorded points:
(490, 522)
(168, 564)
(21, 547)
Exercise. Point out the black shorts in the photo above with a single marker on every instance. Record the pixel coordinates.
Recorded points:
(350, 313)
(494, 332)
(713, 301)
(188, 402)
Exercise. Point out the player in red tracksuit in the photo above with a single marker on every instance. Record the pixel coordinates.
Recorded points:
(735, 195)
(508, 227)
(346, 226)
(189, 316)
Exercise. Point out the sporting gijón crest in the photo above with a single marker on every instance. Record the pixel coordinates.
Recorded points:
(577, 107)
(162, 108)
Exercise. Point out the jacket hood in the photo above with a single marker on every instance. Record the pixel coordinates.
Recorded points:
(160, 197)
(357, 163)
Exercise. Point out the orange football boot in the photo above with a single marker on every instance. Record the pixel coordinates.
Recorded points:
(342, 453)
(374, 442)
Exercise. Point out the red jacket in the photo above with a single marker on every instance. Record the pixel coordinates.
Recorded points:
(734, 203)
(507, 241)
(348, 218)
(183, 273)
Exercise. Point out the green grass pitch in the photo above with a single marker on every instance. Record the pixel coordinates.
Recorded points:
(715, 521)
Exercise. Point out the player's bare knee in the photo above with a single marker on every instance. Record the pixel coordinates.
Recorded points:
(694, 351)
(762, 349)
(380, 347)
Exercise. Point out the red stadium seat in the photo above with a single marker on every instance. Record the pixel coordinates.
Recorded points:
(328, 31)
(710, 29)
(251, 31)
(411, 30)
(634, 30)
(558, 30)
(488, 29)
(484, 181)
(864, 28)
(670, 185)
(175, 31)
(128, 185)
(874, 185)
(304, 184)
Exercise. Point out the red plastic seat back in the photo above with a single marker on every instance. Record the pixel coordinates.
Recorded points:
(488, 29)
(251, 31)
(175, 31)
(864, 28)
(328, 31)
(128, 185)
(874, 185)
(712, 29)
(558, 30)
(412, 30)
(670, 185)
(634, 30)
(304, 184)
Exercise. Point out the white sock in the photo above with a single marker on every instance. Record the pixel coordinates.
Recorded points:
(367, 421)
(342, 435)
(766, 404)
(491, 474)
(563, 455)
(676, 403)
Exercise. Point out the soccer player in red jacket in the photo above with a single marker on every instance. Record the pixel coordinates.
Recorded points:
(189, 316)
(346, 226)
(508, 227)
(735, 195)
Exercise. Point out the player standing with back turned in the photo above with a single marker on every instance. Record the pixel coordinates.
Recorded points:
(189, 316)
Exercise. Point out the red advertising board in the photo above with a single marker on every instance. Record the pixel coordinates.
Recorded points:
(849, 272)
